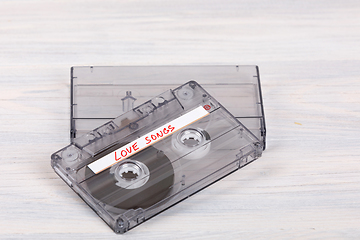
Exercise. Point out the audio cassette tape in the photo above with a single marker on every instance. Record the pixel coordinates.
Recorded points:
(155, 155)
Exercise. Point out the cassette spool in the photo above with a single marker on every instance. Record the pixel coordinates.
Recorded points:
(153, 156)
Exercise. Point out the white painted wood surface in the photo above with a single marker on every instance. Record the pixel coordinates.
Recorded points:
(306, 185)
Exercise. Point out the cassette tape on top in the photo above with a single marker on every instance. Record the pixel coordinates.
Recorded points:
(155, 155)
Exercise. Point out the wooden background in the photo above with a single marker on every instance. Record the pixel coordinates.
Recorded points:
(305, 186)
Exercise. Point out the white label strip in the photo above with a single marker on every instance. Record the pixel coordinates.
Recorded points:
(147, 140)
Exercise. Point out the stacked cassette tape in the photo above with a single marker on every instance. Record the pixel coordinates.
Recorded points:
(156, 153)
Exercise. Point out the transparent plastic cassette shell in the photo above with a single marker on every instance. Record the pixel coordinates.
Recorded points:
(194, 140)
(99, 94)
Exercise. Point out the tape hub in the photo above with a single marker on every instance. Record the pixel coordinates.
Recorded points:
(191, 137)
(129, 171)
(193, 142)
(131, 174)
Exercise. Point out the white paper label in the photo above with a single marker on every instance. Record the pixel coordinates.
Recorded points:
(147, 140)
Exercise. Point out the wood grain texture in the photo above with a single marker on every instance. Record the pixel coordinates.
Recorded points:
(305, 186)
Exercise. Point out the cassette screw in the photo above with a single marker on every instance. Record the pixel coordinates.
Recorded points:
(186, 93)
(192, 85)
(70, 154)
(133, 125)
(120, 223)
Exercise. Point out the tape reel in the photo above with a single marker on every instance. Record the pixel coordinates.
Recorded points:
(134, 183)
